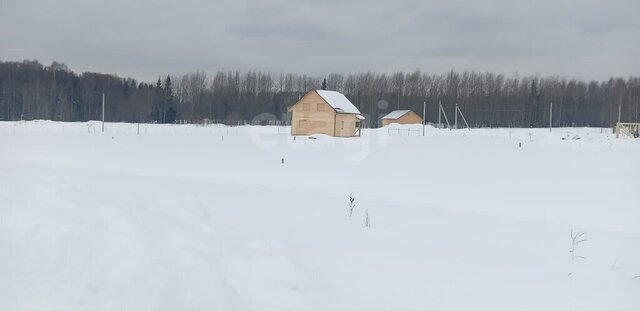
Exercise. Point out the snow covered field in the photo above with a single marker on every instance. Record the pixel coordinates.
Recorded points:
(185, 217)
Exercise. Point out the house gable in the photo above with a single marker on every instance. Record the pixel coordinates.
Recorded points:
(313, 100)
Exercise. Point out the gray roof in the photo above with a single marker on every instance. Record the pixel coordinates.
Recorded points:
(396, 114)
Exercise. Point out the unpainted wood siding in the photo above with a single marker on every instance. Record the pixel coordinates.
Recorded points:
(312, 121)
(408, 118)
(346, 125)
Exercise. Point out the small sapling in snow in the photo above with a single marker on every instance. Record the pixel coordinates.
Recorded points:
(614, 265)
(367, 221)
(352, 204)
(576, 239)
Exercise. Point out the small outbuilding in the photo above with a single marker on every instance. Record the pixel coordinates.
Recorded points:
(401, 117)
(325, 112)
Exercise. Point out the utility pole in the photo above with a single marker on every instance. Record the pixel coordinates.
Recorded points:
(424, 111)
(103, 112)
(463, 118)
(444, 114)
(619, 112)
(551, 116)
(439, 113)
(616, 128)
(455, 118)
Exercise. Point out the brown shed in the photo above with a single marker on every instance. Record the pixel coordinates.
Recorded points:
(401, 117)
(325, 112)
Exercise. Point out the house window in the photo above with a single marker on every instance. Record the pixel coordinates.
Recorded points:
(320, 107)
(306, 107)
(357, 124)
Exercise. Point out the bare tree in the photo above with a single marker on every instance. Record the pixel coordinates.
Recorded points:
(367, 221)
(352, 204)
(576, 239)
(29, 90)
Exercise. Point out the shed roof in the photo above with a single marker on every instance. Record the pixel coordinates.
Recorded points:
(396, 114)
(338, 101)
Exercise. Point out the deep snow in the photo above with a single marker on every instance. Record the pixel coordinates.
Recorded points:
(187, 217)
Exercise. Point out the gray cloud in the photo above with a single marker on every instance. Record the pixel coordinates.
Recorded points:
(588, 39)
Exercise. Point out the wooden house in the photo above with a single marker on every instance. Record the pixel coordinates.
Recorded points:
(325, 112)
(401, 117)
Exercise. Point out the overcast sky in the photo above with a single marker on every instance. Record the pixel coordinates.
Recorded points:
(587, 39)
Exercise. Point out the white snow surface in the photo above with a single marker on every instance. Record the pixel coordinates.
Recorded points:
(338, 101)
(395, 114)
(184, 217)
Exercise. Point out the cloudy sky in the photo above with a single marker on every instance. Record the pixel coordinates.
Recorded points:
(586, 39)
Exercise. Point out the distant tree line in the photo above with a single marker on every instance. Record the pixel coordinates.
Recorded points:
(30, 90)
